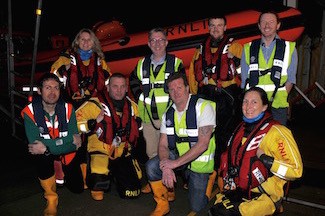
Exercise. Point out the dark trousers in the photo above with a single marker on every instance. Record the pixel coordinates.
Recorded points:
(228, 116)
(72, 172)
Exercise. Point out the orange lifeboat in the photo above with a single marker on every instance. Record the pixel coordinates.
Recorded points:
(122, 50)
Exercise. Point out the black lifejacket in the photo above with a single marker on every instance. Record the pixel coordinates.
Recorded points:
(61, 111)
(170, 68)
(190, 124)
(275, 70)
(40, 118)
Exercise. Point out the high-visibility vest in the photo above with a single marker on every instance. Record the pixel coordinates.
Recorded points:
(154, 99)
(266, 81)
(183, 135)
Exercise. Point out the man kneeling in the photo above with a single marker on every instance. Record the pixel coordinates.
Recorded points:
(186, 141)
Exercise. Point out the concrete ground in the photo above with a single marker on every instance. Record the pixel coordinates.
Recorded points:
(20, 193)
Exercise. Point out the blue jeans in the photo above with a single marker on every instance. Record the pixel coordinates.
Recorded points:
(197, 183)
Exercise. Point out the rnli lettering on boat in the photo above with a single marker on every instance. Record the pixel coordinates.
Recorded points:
(192, 27)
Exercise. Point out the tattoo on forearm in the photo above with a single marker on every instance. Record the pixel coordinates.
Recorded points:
(206, 130)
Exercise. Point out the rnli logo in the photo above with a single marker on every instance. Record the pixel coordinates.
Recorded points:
(41, 129)
(145, 73)
(168, 122)
(252, 59)
(282, 150)
(132, 193)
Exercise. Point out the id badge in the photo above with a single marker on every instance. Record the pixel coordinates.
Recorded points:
(117, 141)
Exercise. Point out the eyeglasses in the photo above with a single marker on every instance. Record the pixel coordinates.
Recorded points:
(159, 40)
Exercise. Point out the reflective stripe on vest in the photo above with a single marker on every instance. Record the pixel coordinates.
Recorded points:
(156, 98)
(183, 135)
(265, 81)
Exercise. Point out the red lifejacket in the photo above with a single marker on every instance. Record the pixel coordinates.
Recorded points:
(224, 67)
(93, 75)
(59, 128)
(241, 157)
(126, 126)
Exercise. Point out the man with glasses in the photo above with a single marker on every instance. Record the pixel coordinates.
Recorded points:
(147, 83)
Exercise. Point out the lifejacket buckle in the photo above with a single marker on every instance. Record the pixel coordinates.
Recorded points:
(182, 139)
(157, 85)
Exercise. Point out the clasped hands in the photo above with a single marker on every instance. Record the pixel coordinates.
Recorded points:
(37, 147)
(168, 174)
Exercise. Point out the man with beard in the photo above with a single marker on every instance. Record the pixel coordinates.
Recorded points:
(213, 76)
(52, 133)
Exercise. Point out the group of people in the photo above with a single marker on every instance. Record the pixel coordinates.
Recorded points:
(192, 123)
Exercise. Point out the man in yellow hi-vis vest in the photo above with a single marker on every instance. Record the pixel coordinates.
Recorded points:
(270, 63)
(186, 142)
(147, 83)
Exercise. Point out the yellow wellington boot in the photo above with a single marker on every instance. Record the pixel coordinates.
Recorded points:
(83, 168)
(97, 195)
(211, 181)
(171, 194)
(161, 197)
(49, 186)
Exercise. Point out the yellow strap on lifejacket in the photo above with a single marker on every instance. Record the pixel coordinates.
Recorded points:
(137, 168)
(116, 152)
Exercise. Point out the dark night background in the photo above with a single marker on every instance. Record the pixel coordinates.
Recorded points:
(67, 17)
(18, 182)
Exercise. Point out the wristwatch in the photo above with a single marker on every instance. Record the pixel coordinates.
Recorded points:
(47, 152)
